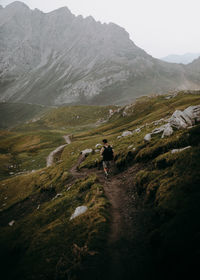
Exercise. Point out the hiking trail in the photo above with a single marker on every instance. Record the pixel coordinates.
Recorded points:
(51, 156)
(118, 190)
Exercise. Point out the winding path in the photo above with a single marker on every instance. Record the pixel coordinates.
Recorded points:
(119, 249)
(50, 158)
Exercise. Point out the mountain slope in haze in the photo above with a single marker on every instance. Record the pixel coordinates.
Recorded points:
(58, 58)
(185, 58)
(12, 114)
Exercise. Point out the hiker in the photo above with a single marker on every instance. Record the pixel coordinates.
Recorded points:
(107, 153)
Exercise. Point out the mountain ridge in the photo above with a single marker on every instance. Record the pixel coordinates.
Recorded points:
(57, 58)
(185, 58)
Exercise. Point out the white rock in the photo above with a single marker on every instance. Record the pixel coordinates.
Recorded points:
(168, 97)
(58, 195)
(118, 137)
(137, 130)
(11, 223)
(180, 119)
(124, 114)
(111, 112)
(98, 145)
(193, 112)
(133, 149)
(160, 129)
(86, 152)
(126, 133)
(180, 150)
(147, 137)
(131, 146)
(79, 211)
(168, 131)
(97, 151)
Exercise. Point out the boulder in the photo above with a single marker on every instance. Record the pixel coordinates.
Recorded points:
(180, 119)
(11, 223)
(98, 145)
(147, 137)
(127, 133)
(193, 112)
(86, 152)
(79, 211)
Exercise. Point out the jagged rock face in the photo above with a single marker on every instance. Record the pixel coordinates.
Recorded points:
(58, 58)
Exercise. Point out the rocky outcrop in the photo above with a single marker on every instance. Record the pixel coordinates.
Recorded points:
(188, 117)
(179, 120)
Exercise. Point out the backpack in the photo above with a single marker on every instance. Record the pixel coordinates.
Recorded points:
(107, 153)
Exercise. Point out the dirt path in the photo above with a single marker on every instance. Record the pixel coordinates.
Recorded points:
(51, 156)
(118, 190)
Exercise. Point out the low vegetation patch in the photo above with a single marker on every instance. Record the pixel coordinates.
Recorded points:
(47, 242)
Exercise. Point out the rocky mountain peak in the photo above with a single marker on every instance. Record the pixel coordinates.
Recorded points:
(63, 11)
(17, 5)
(56, 58)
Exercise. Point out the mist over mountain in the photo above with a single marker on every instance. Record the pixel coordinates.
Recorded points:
(185, 58)
(58, 58)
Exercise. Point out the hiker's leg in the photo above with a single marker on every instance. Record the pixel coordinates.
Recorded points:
(105, 167)
(108, 166)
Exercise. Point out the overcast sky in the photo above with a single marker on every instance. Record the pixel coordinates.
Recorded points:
(160, 27)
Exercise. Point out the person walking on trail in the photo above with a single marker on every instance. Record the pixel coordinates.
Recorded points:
(107, 153)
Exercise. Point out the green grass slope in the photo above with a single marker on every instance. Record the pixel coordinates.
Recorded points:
(44, 243)
(12, 114)
(71, 118)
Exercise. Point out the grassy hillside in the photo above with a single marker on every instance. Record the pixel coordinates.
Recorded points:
(43, 243)
(12, 114)
(27, 146)
(71, 119)
(26, 151)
